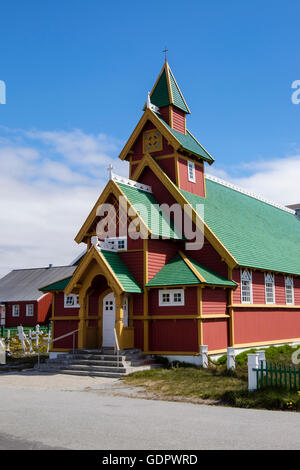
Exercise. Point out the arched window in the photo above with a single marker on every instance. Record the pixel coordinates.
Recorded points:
(246, 287)
(270, 288)
(289, 290)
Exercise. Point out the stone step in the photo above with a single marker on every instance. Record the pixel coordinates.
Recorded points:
(89, 368)
(92, 357)
(116, 375)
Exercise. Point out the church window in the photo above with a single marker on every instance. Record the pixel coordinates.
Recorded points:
(246, 287)
(171, 297)
(152, 141)
(270, 288)
(71, 301)
(191, 172)
(289, 290)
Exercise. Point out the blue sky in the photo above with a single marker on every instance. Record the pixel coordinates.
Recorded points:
(77, 74)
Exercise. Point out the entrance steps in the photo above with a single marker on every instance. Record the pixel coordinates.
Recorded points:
(99, 363)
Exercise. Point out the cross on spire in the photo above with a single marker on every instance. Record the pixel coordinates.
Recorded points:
(110, 169)
(165, 51)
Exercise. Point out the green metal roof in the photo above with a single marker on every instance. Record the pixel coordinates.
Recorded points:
(177, 273)
(56, 286)
(147, 207)
(160, 95)
(257, 234)
(121, 271)
(189, 143)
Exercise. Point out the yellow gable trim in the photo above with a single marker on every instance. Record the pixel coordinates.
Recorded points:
(110, 188)
(94, 254)
(149, 116)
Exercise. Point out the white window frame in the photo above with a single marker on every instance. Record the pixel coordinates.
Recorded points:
(28, 308)
(191, 171)
(289, 282)
(270, 279)
(113, 243)
(246, 276)
(75, 298)
(14, 314)
(172, 295)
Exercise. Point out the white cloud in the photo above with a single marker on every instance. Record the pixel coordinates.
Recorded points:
(49, 182)
(276, 179)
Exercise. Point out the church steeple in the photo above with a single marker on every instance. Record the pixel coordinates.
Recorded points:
(167, 92)
(167, 96)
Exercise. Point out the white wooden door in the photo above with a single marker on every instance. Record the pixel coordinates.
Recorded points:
(108, 321)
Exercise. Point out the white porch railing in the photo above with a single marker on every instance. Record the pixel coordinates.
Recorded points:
(56, 339)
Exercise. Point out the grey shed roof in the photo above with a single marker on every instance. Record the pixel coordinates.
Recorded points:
(23, 284)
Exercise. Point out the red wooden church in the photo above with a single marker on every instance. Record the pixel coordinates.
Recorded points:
(156, 292)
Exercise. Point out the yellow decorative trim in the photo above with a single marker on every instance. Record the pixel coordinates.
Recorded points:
(105, 269)
(151, 134)
(110, 188)
(199, 310)
(192, 268)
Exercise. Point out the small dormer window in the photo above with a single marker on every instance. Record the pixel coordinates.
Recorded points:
(191, 172)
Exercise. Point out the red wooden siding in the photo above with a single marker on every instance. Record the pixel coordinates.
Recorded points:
(171, 335)
(185, 184)
(258, 287)
(165, 113)
(59, 308)
(178, 120)
(135, 263)
(61, 328)
(189, 307)
(138, 304)
(258, 325)
(214, 301)
(138, 334)
(160, 192)
(168, 165)
(159, 253)
(208, 256)
(215, 333)
(280, 289)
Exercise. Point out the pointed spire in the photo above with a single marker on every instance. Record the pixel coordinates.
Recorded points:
(166, 90)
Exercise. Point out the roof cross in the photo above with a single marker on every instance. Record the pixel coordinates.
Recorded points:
(110, 169)
(165, 51)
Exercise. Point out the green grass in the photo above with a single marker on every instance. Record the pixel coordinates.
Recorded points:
(181, 381)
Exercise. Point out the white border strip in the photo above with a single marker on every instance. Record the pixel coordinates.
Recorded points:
(248, 193)
(133, 184)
